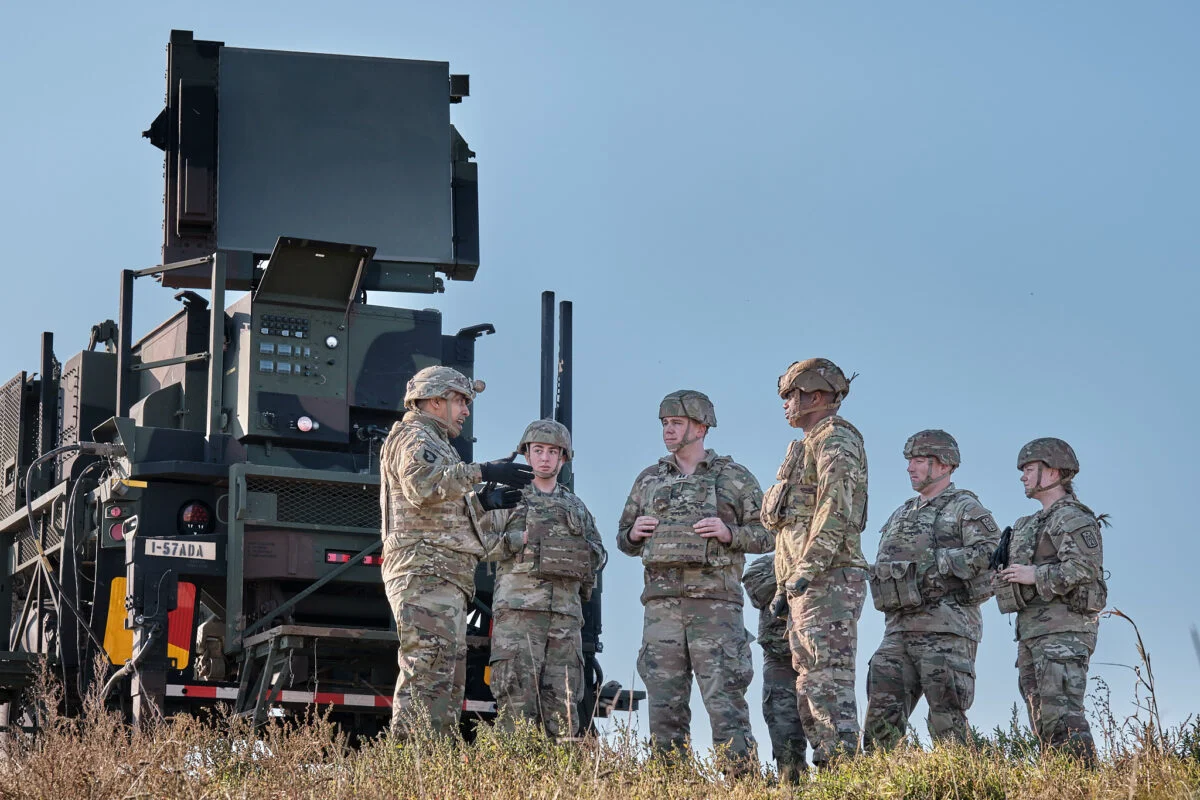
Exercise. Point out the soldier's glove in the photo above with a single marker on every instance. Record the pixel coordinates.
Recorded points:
(797, 587)
(502, 497)
(506, 472)
(779, 606)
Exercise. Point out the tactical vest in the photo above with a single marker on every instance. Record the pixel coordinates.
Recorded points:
(557, 545)
(1039, 549)
(905, 575)
(792, 501)
(678, 503)
(678, 561)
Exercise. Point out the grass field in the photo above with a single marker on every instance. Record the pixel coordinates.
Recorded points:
(98, 756)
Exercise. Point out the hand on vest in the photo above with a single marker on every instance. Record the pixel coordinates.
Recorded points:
(714, 528)
(502, 497)
(507, 472)
(779, 606)
(643, 528)
(1020, 573)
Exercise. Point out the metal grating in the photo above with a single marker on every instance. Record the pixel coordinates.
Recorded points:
(340, 505)
(12, 440)
(26, 546)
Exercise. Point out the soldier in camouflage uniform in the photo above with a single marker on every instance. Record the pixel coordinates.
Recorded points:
(549, 558)
(780, 706)
(1054, 581)
(433, 539)
(929, 578)
(818, 510)
(690, 517)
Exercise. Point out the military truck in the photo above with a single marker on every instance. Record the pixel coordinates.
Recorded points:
(200, 506)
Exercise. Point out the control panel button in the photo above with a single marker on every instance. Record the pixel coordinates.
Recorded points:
(284, 350)
(266, 348)
(266, 366)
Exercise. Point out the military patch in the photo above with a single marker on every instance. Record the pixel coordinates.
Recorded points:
(429, 456)
(989, 523)
(1089, 538)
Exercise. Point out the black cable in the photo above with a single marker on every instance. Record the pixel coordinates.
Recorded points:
(103, 450)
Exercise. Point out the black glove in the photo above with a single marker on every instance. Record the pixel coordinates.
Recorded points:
(501, 497)
(779, 606)
(797, 587)
(507, 472)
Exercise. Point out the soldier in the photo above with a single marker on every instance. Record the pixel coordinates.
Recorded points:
(690, 517)
(1054, 581)
(818, 510)
(929, 578)
(432, 542)
(549, 558)
(780, 706)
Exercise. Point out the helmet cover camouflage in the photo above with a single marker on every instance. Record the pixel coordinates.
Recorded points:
(815, 375)
(547, 431)
(432, 382)
(691, 404)
(933, 443)
(1054, 453)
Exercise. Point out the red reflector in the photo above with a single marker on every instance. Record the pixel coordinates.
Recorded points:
(195, 513)
(117, 532)
(114, 512)
(333, 557)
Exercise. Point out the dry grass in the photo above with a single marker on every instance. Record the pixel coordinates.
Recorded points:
(98, 756)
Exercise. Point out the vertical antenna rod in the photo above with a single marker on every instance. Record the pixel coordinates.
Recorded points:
(563, 412)
(547, 411)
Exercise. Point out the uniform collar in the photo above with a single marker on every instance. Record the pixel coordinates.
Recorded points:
(1045, 513)
(705, 464)
(430, 422)
(920, 502)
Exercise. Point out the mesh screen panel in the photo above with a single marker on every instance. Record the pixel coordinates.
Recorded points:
(11, 440)
(343, 505)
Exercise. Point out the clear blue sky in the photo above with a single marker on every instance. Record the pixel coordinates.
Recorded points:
(989, 211)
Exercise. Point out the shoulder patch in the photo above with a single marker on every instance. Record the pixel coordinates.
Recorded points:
(1089, 538)
(429, 456)
(977, 513)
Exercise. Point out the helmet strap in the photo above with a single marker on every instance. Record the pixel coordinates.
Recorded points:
(687, 438)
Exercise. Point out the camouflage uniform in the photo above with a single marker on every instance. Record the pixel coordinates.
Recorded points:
(537, 649)
(1057, 617)
(929, 577)
(780, 705)
(818, 509)
(432, 543)
(693, 591)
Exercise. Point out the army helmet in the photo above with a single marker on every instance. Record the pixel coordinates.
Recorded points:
(1054, 453)
(815, 375)
(432, 382)
(933, 443)
(547, 431)
(691, 404)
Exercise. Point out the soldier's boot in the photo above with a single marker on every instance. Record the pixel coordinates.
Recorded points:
(741, 758)
(1081, 745)
(792, 762)
(845, 749)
